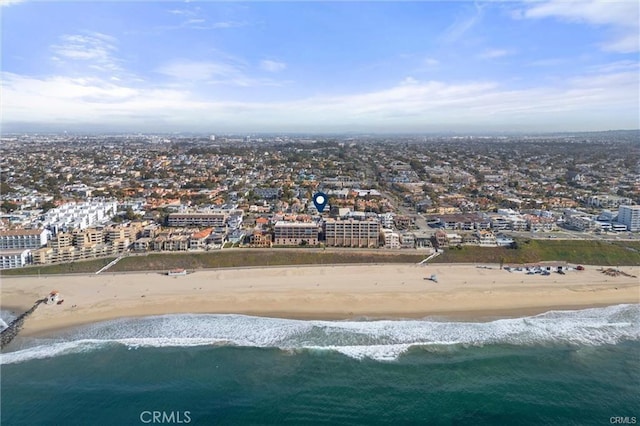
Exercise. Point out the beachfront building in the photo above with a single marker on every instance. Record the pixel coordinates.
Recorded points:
(16, 239)
(198, 240)
(10, 259)
(260, 238)
(486, 238)
(296, 233)
(391, 239)
(352, 233)
(88, 237)
(630, 216)
(579, 221)
(408, 240)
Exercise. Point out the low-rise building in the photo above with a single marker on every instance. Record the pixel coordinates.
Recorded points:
(486, 238)
(197, 219)
(10, 259)
(260, 238)
(407, 240)
(391, 239)
(16, 239)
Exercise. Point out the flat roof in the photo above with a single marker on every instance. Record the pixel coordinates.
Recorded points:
(15, 232)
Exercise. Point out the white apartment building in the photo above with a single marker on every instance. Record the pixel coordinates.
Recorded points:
(391, 239)
(71, 216)
(607, 201)
(14, 258)
(630, 216)
(17, 239)
(294, 233)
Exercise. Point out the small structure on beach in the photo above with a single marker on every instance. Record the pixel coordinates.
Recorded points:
(53, 297)
(433, 278)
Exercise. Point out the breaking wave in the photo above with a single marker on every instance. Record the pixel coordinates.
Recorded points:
(379, 340)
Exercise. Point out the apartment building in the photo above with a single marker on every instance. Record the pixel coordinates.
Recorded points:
(14, 258)
(607, 201)
(630, 216)
(88, 237)
(391, 239)
(17, 239)
(296, 233)
(197, 219)
(352, 233)
(79, 215)
(61, 241)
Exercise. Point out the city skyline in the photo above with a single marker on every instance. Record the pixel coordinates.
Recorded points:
(320, 66)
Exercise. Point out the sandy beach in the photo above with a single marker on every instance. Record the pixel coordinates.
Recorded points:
(327, 292)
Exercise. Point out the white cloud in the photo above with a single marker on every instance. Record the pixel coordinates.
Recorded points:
(229, 24)
(272, 66)
(462, 26)
(430, 62)
(622, 16)
(95, 49)
(600, 100)
(494, 53)
(182, 12)
(227, 73)
(4, 3)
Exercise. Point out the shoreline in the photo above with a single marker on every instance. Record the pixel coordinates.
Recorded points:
(480, 316)
(337, 292)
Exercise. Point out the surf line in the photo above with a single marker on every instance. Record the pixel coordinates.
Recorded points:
(9, 333)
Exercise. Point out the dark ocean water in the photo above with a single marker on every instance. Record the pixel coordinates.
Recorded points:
(569, 368)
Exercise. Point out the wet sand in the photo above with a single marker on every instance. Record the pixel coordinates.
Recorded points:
(326, 292)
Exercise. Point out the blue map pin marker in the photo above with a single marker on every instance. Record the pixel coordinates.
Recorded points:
(320, 200)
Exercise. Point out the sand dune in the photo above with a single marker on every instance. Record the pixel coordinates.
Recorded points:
(329, 292)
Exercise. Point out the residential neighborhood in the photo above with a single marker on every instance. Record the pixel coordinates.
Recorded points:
(66, 198)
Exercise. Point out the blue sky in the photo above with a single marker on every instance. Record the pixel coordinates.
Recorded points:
(314, 66)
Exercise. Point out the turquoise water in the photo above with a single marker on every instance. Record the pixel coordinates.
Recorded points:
(574, 367)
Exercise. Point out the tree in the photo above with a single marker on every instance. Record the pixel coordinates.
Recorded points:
(48, 205)
(8, 206)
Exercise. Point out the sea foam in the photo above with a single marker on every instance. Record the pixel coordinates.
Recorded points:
(379, 340)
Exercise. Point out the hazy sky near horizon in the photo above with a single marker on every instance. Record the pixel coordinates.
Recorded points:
(319, 66)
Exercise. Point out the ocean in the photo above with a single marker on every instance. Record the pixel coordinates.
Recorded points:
(562, 367)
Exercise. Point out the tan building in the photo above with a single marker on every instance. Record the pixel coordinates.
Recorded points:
(352, 233)
(61, 241)
(260, 239)
(88, 237)
(296, 233)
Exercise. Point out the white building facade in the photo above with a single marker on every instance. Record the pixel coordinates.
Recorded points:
(630, 216)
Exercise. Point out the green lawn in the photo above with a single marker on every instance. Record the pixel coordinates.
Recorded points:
(573, 251)
(528, 251)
